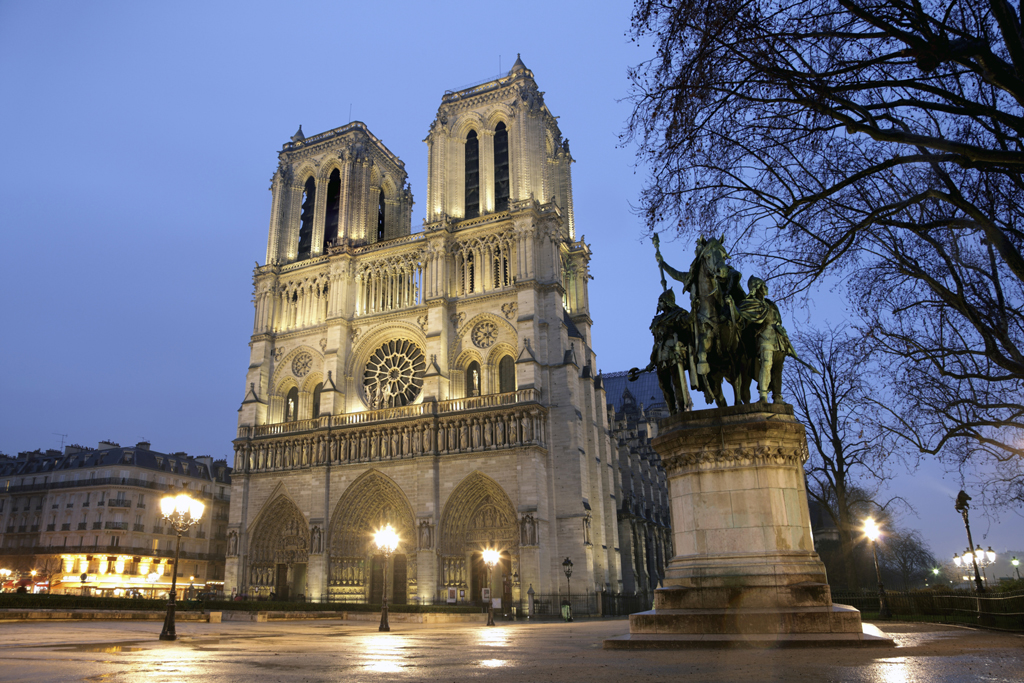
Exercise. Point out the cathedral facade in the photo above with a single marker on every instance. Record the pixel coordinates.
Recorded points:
(439, 381)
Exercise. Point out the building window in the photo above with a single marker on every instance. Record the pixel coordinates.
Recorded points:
(501, 184)
(306, 219)
(472, 175)
(333, 203)
(291, 405)
(473, 379)
(380, 216)
(316, 399)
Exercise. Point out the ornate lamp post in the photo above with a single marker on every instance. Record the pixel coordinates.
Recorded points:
(962, 506)
(872, 531)
(490, 559)
(181, 511)
(1016, 566)
(386, 540)
(567, 568)
(977, 558)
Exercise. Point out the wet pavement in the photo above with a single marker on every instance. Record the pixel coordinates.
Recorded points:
(346, 651)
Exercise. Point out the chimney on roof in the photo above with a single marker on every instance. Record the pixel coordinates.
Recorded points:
(206, 460)
(108, 444)
(144, 445)
(71, 449)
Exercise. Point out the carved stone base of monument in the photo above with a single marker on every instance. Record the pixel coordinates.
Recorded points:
(745, 572)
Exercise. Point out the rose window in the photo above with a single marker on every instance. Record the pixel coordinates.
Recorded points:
(302, 364)
(394, 374)
(485, 334)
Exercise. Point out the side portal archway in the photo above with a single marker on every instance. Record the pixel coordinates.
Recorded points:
(278, 551)
(478, 515)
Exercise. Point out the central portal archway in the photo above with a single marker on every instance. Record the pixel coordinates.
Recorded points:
(355, 572)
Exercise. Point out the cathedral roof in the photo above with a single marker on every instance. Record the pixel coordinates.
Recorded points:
(645, 389)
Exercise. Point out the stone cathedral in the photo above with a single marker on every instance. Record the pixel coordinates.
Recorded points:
(440, 381)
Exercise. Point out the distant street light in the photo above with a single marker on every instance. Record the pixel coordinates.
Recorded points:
(386, 540)
(181, 511)
(1016, 566)
(567, 568)
(962, 505)
(872, 531)
(490, 558)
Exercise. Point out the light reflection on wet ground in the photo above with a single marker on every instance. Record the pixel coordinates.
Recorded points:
(339, 651)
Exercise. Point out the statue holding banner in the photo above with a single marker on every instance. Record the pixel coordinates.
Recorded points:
(727, 334)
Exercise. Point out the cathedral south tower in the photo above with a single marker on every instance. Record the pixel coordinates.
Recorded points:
(440, 381)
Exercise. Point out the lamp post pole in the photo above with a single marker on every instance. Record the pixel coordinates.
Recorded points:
(386, 540)
(962, 506)
(1016, 566)
(181, 511)
(872, 531)
(567, 568)
(490, 558)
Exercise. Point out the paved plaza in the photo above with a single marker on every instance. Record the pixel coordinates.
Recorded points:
(343, 651)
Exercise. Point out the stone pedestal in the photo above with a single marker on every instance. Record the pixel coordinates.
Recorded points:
(745, 572)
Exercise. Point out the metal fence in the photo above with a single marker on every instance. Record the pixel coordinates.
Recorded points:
(1003, 611)
(545, 606)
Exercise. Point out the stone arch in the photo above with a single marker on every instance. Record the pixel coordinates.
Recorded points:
(502, 113)
(310, 381)
(497, 352)
(477, 515)
(369, 502)
(470, 120)
(304, 173)
(389, 186)
(283, 370)
(462, 343)
(278, 536)
(459, 367)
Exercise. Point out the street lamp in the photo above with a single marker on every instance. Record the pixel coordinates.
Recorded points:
(33, 573)
(567, 568)
(181, 511)
(977, 557)
(490, 558)
(962, 506)
(872, 531)
(386, 540)
(1016, 566)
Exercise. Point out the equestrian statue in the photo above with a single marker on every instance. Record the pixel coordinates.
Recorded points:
(727, 334)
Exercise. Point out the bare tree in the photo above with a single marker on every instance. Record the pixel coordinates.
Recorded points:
(849, 460)
(877, 140)
(905, 555)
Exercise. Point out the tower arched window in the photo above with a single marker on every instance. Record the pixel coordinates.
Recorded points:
(501, 175)
(333, 202)
(316, 399)
(506, 375)
(380, 216)
(472, 175)
(291, 405)
(473, 379)
(306, 219)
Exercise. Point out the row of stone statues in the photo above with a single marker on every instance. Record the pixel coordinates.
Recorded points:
(727, 334)
(514, 428)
